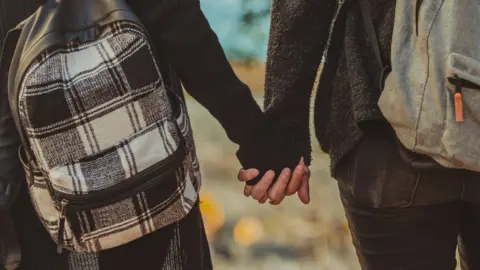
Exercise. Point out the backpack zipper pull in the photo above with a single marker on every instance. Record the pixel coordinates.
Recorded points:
(61, 225)
(458, 100)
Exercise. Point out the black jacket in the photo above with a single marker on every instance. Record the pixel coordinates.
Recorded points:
(348, 89)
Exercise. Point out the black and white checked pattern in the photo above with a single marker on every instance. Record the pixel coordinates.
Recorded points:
(96, 116)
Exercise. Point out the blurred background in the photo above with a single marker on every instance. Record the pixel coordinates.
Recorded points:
(244, 234)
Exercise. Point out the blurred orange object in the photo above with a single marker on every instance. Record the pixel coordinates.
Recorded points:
(247, 231)
(213, 214)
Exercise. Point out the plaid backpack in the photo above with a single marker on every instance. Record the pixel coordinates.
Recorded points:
(431, 97)
(107, 146)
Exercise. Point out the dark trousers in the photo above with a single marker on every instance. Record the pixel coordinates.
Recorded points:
(403, 219)
(181, 245)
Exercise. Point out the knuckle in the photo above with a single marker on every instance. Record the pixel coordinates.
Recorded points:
(257, 196)
(283, 180)
(278, 201)
(285, 174)
(274, 196)
(277, 198)
(290, 192)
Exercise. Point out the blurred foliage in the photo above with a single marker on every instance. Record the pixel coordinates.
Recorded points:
(242, 27)
(253, 18)
(254, 14)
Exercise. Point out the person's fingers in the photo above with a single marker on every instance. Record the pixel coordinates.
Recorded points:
(304, 191)
(276, 194)
(264, 198)
(296, 179)
(263, 185)
(302, 161)
(294, 183)
(247, 175)
(247, 190)
(307, 171)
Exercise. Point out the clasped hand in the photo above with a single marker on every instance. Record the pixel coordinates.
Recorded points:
(288, 183)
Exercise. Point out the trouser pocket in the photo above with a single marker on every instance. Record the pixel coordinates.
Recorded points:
(375, 175)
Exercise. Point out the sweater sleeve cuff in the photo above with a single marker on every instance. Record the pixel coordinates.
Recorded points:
(269, 150)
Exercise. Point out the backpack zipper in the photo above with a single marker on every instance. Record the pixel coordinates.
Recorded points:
(458, 97)
(458, 102)
(61, 225)
(141, 181)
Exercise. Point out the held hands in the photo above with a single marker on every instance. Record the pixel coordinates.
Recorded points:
(287, 184)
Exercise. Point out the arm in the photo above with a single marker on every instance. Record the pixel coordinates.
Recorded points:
(11, 175)
(185, 35)
(298, 36)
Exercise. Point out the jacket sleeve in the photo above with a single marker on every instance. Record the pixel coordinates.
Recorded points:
(184, 34)
(12, 175)
(298, 37)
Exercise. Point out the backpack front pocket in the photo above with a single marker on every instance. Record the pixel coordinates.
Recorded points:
(122, 177)
(121, 164)
(463, 82)
(462, 121)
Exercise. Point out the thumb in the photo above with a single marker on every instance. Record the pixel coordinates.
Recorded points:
(247, 175)
(302, 161)
(304, 190)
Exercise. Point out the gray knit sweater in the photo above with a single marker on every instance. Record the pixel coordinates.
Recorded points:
(348, 90)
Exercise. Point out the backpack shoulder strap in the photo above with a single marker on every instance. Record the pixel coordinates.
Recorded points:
(9, 58)
(7, 52)
(9, 46)
(9, 239)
